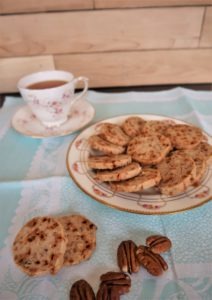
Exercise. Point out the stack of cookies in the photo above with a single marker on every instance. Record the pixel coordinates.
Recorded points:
(140, 154)
(45, 244)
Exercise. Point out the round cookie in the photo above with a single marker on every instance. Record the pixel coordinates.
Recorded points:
(200, 169)
(184, 136)
(113, 134)
(109, 162)
(132, 126)
(205, 150)
(149, 149)
(200, 162)
(154, 127)
(98, 143)
(177, 173)
(148, 178)
(39, 246)
(123, 173)
(81, 236)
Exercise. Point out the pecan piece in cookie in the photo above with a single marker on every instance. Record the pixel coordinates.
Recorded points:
(81, 290)
(126, 257)
(158, 243)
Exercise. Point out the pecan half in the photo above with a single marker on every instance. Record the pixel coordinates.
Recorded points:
(153, 263)
(81, 290)
(107, 293)
(163, 263)
(158, 243)
(126, 257)
(118, 281)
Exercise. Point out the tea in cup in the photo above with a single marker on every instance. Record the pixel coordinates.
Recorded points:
(51, 95)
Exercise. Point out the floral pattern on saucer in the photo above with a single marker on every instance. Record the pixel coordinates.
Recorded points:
(25, 122)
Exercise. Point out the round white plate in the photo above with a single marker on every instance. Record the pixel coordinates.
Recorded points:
(25, 122)
(149, 202)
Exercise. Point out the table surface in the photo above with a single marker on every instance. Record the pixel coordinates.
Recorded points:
(34, 181)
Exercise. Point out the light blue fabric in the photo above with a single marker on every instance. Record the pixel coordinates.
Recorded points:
(34, 181)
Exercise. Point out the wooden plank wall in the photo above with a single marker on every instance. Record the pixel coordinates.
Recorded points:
(148, 3)
(140, 68)
(12, 69)
(206, 37)
(109, 41)
(100, 31)
(23, 6)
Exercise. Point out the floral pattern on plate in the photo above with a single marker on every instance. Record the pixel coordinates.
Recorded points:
(147, 202)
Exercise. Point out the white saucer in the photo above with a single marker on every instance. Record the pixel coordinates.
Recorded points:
(25, 122)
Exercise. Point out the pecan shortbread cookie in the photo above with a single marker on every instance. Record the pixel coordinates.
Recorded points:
(204, 149)
(113, 134)
(148, 178)
(132, 126)
(96, 142)
(109, 162)
(184, 136)
(177, 173)
(154, 127)
(39, 246)
(199, 161)
(123, 173)
(81, 235)
(149, 149)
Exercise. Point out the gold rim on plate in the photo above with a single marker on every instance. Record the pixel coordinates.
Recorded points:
(120, 208)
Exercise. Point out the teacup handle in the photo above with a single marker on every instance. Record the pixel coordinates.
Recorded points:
(80, 95)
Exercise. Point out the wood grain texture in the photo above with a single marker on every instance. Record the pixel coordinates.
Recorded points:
(148, 3)
(98, 31)
(206, 37)
(140, 68)
(19, 6)
(12, 69)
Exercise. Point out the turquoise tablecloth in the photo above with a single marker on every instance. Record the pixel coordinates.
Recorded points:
(34, 181)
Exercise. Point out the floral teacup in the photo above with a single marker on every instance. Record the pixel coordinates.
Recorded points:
(50, 95)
